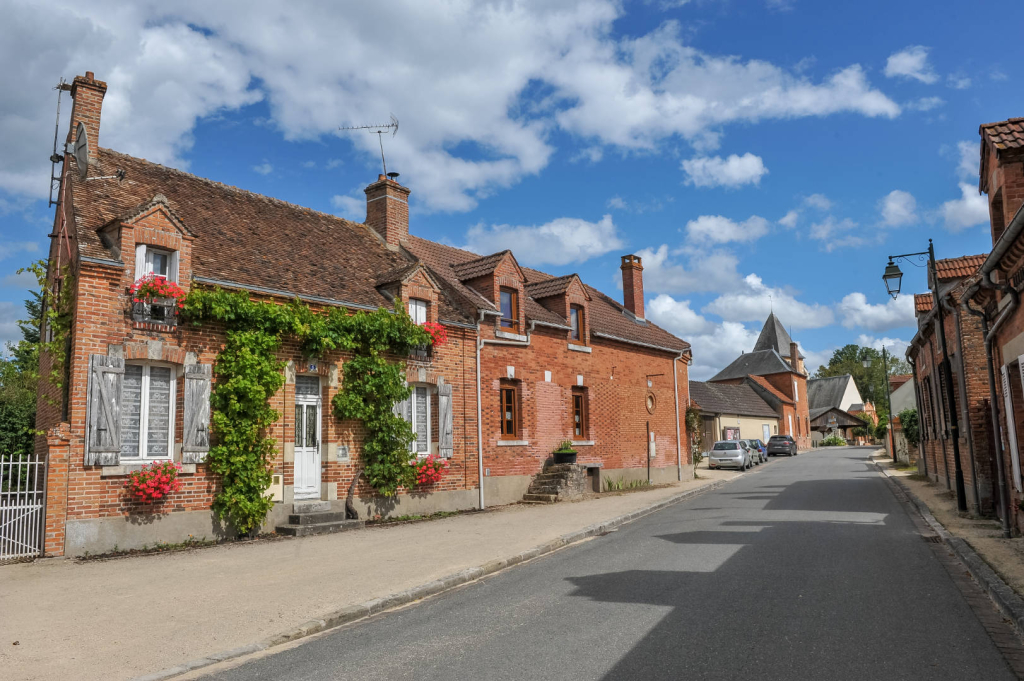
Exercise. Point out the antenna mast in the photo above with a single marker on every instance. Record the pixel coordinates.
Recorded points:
(56, 158)
(380, 130)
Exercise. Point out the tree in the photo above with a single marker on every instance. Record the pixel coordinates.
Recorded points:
(911, 429)
(19, 374)
(871, 381)
(693, 427)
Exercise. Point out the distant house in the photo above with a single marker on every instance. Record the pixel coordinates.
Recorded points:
(835, 402)
(903, 395)
(775, 371)
(730, 412)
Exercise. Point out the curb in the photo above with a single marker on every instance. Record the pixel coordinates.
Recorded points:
(1006, 599)
(353, 613)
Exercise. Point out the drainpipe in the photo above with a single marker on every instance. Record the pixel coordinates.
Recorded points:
(920, 407)
(962, 383)
(675, 392)
(480, 343)
(994, 412)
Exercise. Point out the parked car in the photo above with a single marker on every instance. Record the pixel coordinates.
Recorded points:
(731, 454)
(781, 444)
(755, 453)
(762, 449)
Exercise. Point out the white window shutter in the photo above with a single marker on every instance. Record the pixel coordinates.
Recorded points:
(172, 267)
(446, 435)
(1011, 430)
(195, 441)
(140, 261)
(103, 411)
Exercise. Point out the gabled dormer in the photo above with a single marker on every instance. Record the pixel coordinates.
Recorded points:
(416, 287)
(567, 297)
(500, 279)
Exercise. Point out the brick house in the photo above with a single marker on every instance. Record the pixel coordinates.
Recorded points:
(531, 359)
(970, 387)
(991, 295)
(775, 370)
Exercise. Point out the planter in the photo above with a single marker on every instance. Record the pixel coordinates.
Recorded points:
(565, 457)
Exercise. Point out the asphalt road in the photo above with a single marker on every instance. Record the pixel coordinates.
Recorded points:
(805, 568)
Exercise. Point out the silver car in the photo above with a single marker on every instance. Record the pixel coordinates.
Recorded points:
(731, 454)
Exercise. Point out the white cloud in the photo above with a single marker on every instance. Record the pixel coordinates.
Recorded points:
(831, 229)
(815, 358)
(911, 62)
(895, 347)
(559, 242)
(714, 345)
(856, 311)
(677, 315)
(925, 103)
(617, 203)
(719, 230)
(705, 271)
(819, 201)
(471, 126)
(263, 168)
(10, 332)
(970, 210)
(997, 75)
(715, 171)
(351, 207)
(898, 208)
(12, 248)
(638, 207)
(969, 163)
(789, 219)
(23, 280)
(752, 301)
(958, 81)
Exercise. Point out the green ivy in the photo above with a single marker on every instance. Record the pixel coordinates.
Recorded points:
(249, 374)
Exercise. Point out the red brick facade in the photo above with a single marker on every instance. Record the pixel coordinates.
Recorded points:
(631, 375)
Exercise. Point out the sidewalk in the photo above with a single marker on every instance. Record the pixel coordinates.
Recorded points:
(122, 618)
(1004, 556)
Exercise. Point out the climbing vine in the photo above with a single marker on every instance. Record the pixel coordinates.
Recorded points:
(248, 375)
(56, 305)
(694, 429)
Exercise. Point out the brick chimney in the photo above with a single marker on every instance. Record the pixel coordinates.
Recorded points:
(633, 285)
(87, 93)
(387, 210)
(794, 356)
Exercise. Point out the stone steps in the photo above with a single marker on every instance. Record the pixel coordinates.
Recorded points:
(316, 516)
(308, 529)
(532, 498)
(556, 483)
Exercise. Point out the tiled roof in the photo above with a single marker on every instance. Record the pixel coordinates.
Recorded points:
(956, 268)
(774, 337)
(895, 382)
(607, 317)
(923, 302)
(470, 269)
(760, 363)
(718, 398)
(549, 287)
(778, 394)
(1008, 134)
(827, 392)
(242, 237)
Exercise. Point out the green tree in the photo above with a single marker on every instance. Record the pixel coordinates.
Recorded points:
(19, 374)
(871, 381)
(911, 427)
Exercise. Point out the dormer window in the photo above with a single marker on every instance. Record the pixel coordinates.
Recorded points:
(151, 260)
(575, 322)
(509, 308)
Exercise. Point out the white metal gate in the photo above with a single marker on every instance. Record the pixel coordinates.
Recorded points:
(22, 505)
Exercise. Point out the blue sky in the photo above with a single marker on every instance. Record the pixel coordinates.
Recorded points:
(758, 153)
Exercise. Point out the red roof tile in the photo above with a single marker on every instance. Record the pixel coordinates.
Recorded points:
(922, 302)
(897, 381)
(1008, 134)
(956, 268)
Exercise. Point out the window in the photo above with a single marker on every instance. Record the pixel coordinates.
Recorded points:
(509, 412)
(509, 308)
(147, 412)
(156, 261)
(796, 392)
(416, 410)
(576, 322)
(418, 310)
(579, 414)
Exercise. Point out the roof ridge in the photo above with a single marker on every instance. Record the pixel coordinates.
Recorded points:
(233, 188)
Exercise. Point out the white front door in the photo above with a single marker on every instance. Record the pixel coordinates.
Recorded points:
(307, 437)
(766, 433)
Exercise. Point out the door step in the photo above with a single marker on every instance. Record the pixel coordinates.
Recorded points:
(311, 506)
(540, 498)
(306, 529)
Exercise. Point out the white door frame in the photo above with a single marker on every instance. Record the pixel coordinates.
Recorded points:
(307, 459)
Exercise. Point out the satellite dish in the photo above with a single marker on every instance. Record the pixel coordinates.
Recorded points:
(82, 150)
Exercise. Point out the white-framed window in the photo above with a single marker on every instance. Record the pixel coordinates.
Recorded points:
(418, 310)
(796, 393)
(159, 261)
(147, 412)
(416, 410)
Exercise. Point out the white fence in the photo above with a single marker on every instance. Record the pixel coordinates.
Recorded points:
(22, 505)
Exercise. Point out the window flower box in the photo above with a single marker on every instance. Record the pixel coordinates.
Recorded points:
(156, 311)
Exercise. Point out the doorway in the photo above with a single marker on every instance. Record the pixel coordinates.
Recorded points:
(307, 437)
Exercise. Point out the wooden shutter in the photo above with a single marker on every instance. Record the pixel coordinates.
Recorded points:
(195, 440)
(446, 434)
(103, 411)
(1011, 429)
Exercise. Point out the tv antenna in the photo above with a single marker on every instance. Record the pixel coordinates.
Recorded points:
(56, 158)
(380, 129)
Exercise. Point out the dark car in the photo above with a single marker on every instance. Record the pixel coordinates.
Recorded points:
(781, 444)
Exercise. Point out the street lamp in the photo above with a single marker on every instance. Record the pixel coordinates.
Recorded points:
(892, 278)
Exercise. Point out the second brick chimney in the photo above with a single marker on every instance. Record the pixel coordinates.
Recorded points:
(87, 93)
(794, 356)
(387, 210)
(633, 285)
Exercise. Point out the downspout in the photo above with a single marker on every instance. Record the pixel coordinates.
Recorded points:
(480, 342)
(675, 392)
(962, 383)
(920, 408)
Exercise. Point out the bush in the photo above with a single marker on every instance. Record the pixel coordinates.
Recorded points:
(911, 429)
(832, 441)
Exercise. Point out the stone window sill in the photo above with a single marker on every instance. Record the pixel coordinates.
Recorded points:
(582, 443)
(510, 336)
(125, 469)
(513, 443)
(579, 348)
